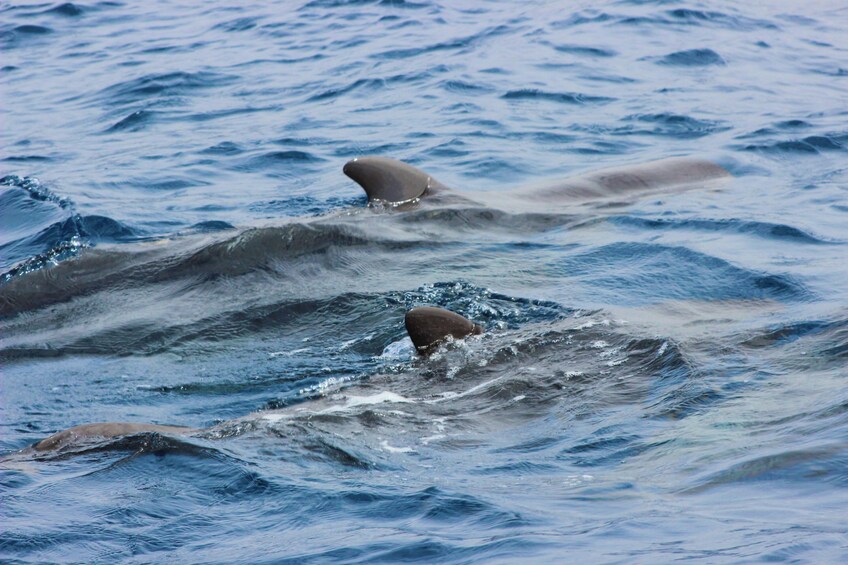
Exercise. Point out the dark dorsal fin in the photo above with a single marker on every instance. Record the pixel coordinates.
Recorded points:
(428, 326)
(388, 180)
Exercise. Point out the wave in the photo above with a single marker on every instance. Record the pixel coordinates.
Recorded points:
(36, 190)
(250, 250)
(827, 338)
(651, 273)
(561, 97)
(585, 51)
(691, 58)
(826, 462)
(812, 144)
(677, 17)
(276, 158)
(675, 125)
(299, 206)
(67, 9)
(766, 230)
(41, 228)
(26, 158)
(238, 24)
(458, 45)
(662, 124)
(136, 121)
(366, 85)
(32, 29)
(779, 127)
(261, 249)
(13, 37)
(352, 320)
(279, 260)
(717, 19)
(164, 85)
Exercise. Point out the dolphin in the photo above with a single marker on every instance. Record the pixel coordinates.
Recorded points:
(394, 182)
(427, 326)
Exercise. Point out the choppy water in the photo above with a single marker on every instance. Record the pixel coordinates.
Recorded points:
(660, 380)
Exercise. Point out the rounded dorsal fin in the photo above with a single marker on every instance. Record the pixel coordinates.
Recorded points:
(388, 180)
(427, 326)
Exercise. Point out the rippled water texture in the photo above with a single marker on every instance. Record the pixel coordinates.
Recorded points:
(661, 378)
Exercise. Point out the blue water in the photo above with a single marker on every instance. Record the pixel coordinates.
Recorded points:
(661, 379)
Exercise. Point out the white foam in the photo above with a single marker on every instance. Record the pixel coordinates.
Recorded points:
(354, 401)
(275, 418)
(350, 342)
(403, 349)
(577, 480)
(289, 353)
(391, 449)
(326, 385)
(385, 396)
(472, 390)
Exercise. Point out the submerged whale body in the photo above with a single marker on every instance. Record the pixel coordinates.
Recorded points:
(385, 180)
(395, 182)
(427, 326)
(103, 430)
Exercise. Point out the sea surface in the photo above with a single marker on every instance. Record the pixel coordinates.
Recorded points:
(661, 379)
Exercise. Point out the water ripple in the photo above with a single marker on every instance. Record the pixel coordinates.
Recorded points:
(562, 97)
(164, 85)
(692, 58)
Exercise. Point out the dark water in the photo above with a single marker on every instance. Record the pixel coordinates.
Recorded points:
(660, 380)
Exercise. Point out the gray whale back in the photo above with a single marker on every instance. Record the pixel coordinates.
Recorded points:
(103, 430)
(392, 181)
(632, 179)
(427, 326)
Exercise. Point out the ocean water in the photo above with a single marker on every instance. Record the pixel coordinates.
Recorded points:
(661, 379)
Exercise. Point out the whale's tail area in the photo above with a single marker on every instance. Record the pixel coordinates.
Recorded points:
(389, 180)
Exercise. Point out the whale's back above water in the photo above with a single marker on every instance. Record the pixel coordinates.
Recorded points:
(392, 181)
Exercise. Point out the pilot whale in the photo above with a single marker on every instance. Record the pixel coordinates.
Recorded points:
(387, 182)
(394, 182)
(427, 326)
(104, 430)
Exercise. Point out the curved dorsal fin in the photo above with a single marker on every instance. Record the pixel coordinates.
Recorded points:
(388, 180)
(427, 326)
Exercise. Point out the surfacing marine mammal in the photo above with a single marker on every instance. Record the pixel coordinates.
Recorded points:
(427, 327)
(395, 182)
